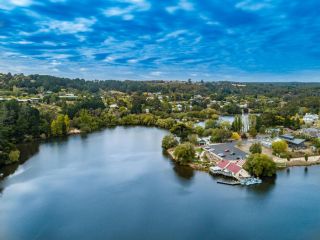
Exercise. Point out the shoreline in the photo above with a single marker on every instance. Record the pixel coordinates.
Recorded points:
(278, 161)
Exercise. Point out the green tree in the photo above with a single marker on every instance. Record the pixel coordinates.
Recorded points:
(279, 147)
(193, 138)
(260, 165)
(253, 132)
(169, 141)
(255, 148)
(199, 130)
(210, 124)
(220, 135)
(237, 124)
(184, 153)
(66, 123)
(60, 126)
(182, 130)
(54, 128)
(14, 156)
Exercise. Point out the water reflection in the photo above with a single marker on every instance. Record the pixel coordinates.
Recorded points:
(27, 150)
(184, 172)
(263, 189)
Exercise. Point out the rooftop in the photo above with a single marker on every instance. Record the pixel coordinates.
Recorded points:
(229, 150)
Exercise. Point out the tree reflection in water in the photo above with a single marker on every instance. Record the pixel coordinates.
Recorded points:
(27, 150)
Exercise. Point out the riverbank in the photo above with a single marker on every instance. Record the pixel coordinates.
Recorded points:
(200, 165)
(283, 162)
(313, 160)
(204, 164)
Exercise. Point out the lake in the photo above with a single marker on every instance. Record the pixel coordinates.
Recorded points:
(117, 184)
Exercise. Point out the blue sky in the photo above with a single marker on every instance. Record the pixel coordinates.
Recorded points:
(246, 40)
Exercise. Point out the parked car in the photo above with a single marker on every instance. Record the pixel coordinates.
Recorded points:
(221, 155)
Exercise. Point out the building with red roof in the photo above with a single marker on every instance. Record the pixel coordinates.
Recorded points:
(234, 168)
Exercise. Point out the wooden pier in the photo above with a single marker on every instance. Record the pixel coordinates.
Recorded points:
(229, 182)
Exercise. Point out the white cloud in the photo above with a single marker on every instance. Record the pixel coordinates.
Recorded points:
(23, 42)
(128, 17)
(70, 27)
(173, 34)
(133, 61)
(109, 59)
(49, 43)
(156, 73)
(21, 3)
(127, 13)
(182, 5)
(249, 5)
(10, 4)
(115, 11)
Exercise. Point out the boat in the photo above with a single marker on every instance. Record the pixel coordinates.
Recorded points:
(250, 181)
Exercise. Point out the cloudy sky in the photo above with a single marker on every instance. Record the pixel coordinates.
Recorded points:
(248, 40)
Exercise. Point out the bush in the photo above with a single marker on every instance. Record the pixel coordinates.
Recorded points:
(255, 148)
(169, 141)
(184, 153)
(235, 136)
(253, 132)
(279, 147)
(193, 138)
(220, 135)
(260, 165)
(14, 156)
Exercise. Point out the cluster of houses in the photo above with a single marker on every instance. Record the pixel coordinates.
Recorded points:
(228, 160)
(22, 100)
(67, 96)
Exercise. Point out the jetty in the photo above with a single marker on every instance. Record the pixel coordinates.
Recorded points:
(228, 182)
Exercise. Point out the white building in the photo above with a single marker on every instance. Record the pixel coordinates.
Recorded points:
(310, 118)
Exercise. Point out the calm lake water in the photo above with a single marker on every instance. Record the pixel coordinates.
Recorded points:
(117, 184)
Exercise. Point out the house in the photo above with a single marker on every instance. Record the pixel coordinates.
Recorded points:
(273, 131)
(296, 143)
(23, 100)
(309, 118)
(267, 142)
(113, 106)
(179, 107)
(230, 169)
(36, 100)
(204, 141)
(310, 132)
(68, 96)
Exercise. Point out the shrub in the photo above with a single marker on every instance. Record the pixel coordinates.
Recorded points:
(169, 141)
(255, 148)
(14, 156)
(184, 153)
(279, 147)
(260, 165)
